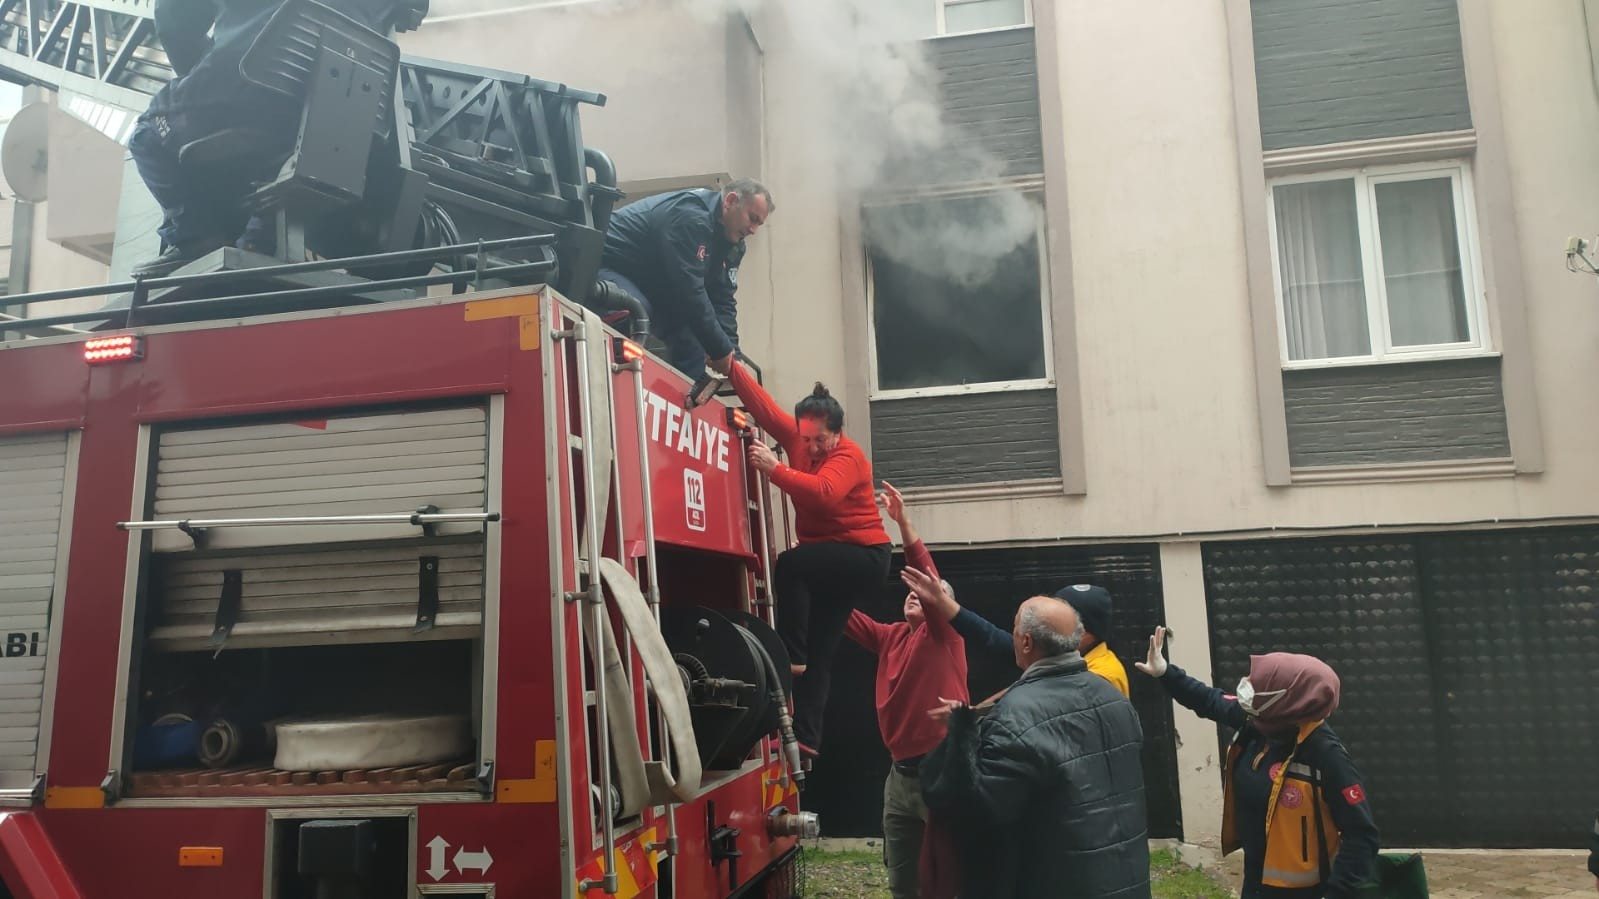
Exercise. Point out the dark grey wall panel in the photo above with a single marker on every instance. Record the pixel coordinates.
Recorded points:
(1446, 644)
(1355, 604)
(1408, 412)
(990, 97)
(979, 438)
(1337, 70)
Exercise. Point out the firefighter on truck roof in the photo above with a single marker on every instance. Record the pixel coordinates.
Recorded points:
(678, 253)
(202, 205)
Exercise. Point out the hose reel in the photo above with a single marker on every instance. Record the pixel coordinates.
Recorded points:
(738, 680)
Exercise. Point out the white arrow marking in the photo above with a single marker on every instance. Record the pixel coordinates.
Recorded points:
(476, 861)
(439, 850)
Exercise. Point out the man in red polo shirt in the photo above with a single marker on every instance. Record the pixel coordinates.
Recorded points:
(921, 662)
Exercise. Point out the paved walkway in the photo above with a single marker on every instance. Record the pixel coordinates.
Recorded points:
(1498, 874)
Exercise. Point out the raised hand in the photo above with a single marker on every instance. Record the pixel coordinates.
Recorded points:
(892, 502)
(1155, 664)
(925, 586)
(941, 712)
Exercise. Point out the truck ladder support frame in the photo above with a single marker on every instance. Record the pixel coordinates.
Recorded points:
(609, 880)
(647, 502)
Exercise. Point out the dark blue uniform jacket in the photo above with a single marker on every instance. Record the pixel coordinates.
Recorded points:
(672, 247)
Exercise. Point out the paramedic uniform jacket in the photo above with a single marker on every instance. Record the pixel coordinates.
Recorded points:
(673, 248)
(1318, 837)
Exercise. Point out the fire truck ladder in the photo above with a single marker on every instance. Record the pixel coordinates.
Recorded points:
(590, 436)
(105, 50)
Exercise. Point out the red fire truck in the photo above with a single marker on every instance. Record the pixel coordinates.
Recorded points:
(459, 595)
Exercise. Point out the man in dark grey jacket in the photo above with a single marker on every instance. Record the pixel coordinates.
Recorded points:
(1049, 786)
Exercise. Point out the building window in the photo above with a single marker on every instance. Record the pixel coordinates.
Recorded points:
(962, 16)
(956, 297)
(1376, 265)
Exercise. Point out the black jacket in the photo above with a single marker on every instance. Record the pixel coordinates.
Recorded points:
(673, 248)
(205, 40)
(1047, 790)
(1336, 791)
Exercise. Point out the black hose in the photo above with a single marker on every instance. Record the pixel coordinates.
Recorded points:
(603, 192)
(785, 724)
(606, 295)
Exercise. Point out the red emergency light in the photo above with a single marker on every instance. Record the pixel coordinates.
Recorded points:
(627, 351)
(113, 349)
(738, 419)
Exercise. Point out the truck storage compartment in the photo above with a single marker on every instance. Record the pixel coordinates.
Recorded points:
(408, 589)
(192, 703)
(302, 633)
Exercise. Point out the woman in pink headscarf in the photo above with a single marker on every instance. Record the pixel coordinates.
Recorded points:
(1292, 799)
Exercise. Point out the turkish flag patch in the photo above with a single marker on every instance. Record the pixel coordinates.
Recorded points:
(1354, 795)
(700, 253)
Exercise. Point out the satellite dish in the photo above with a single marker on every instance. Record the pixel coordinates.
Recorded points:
(25, 152)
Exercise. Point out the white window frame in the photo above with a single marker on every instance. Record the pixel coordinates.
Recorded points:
(1047, 382)
(943, 28)
(1380, 338)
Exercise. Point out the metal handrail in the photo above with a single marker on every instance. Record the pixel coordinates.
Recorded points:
(141, 287)
(647, 501)
(596, 601)
(397, 518)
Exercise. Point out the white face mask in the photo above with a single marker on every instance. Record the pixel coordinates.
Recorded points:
(1254, 703)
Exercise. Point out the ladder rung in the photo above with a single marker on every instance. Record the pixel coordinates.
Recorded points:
(574, 441)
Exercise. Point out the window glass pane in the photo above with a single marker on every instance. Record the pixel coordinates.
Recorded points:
(975, 15)
(892, 21)
(946, 309)
(1318, 261)
(1422, 275)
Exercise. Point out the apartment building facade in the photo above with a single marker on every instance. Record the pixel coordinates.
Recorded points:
(1278, 345)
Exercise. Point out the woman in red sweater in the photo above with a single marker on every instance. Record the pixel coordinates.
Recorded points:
(843, 550)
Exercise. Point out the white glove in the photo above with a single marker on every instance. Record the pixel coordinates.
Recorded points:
(1155, 663)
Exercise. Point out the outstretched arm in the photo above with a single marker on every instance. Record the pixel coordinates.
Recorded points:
(893, 503)
(768, 414)
(1191, 693)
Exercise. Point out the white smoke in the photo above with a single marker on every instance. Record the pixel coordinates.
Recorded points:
(880, 120)
(889, 136)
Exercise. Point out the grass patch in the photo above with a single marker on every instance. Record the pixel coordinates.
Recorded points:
(845, 875)
(1174, 880)
(861, 875)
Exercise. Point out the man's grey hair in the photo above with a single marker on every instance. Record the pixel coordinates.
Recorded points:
(747, 189)
(1049, 641)
(949, 591)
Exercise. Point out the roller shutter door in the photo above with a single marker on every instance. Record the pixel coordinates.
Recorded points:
(299, 584)
(372, 464)
(32, 482)
(1470, 669)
